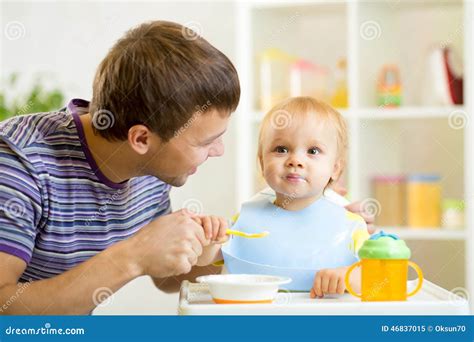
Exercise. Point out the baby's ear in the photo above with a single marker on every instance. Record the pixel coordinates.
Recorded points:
(260, 161)
(337, 170)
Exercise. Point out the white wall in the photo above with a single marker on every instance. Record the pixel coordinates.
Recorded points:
(66, 42)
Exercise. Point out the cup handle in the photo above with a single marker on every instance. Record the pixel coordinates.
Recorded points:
(346, 280)
(420, 278)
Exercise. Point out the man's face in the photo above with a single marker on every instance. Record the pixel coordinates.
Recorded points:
(198, 140)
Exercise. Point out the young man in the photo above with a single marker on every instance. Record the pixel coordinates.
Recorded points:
(84, 191)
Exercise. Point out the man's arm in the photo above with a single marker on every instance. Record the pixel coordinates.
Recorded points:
(77, 291)
(172, 284)
(169, 245)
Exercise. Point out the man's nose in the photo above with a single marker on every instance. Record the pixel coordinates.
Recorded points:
(217, 150)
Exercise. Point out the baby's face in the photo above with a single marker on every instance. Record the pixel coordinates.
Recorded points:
(299, 160)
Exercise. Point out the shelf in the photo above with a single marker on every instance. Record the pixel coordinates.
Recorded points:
(408, 112)
(435, 233)
(288, 4)
(422, 136)
(395, 113)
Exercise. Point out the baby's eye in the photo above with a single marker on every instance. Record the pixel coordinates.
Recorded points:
(281, 149)
(314, 150)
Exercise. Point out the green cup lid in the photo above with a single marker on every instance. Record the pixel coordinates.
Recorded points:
(384, 246)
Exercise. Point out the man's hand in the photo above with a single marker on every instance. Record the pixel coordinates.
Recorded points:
(169, 245)
(357, 208)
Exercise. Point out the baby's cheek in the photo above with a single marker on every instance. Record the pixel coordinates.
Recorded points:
(270, 171)
(271, 179)
(321, 172)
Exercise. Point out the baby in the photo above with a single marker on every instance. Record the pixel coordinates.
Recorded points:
(301, 151)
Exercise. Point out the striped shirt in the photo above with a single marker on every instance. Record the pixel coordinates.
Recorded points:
(56, 207)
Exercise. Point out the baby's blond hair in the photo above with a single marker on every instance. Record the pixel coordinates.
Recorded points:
(287, 110)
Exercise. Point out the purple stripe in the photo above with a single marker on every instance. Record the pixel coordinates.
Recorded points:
(16, 252)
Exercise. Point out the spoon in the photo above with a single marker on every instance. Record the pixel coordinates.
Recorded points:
(247, 235)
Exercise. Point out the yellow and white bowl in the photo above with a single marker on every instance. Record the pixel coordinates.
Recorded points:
(243, 288)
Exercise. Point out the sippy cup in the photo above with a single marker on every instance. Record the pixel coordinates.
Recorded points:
(384, 262)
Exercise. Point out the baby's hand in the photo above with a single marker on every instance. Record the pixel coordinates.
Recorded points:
(329, 281)
(214, 228)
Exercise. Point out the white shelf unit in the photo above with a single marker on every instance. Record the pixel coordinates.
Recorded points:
(407, 112)
(417, 135)
(432, 233)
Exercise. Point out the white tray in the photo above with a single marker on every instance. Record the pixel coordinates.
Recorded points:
(194, 299)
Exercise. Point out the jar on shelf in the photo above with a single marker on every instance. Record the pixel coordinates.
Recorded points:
(423, 201)
(274, 77)
(309, 79)
(340, 98)
(389, 191)
(453, 213)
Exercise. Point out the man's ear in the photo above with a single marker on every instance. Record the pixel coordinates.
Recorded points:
(139, 138)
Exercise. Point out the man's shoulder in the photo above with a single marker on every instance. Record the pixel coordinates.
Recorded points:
(30, 130)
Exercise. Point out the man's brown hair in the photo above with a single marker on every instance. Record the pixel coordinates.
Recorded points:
(159, 74)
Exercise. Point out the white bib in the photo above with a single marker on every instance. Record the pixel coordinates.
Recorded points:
(299, 244)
